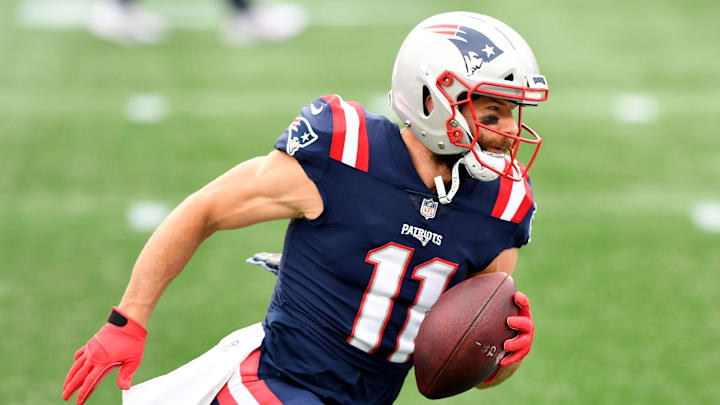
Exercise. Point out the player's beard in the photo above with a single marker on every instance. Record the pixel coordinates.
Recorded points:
(449, 161)
(487, 144)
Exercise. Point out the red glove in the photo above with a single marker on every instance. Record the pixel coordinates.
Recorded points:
(519, 346)
(119, 343)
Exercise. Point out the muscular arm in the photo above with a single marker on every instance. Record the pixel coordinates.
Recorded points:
(504, 262)
(258, 190)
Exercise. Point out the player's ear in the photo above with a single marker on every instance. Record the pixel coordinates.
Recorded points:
(429, 106)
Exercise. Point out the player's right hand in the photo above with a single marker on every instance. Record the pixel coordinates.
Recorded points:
(519, 346)
(119, 343)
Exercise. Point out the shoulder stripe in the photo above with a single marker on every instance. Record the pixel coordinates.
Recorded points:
(525, 205)
(349, 140)
(362, 160)
(352, 125)
(503, 195)
(514, 198)
(517, 196)
(338, 124)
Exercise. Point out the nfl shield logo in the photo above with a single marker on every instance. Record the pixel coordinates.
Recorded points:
(428, 208)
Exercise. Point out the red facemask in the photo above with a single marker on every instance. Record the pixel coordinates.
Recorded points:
(505, 91)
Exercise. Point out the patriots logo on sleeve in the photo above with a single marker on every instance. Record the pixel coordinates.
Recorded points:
(475, 47)
(300, 135)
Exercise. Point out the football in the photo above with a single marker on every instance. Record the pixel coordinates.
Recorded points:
(460, 341)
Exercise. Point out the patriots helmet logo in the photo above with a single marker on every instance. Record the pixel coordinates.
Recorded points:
(474, 46)
(300, 135)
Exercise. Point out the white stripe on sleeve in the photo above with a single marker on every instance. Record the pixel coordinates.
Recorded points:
(352, 128)
(517, 194)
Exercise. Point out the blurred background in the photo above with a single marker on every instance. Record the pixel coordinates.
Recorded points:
(99, 140)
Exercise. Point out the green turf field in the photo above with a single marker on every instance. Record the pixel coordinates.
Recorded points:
(624, 287)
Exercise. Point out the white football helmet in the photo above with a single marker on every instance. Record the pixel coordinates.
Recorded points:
(451, 57)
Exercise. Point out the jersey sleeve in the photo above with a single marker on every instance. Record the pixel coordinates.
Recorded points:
(327, 129)
(515, 203)
(308, 138)
(523, 217)
(523, 232)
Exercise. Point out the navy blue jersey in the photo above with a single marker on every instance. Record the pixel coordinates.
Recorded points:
(355, 283)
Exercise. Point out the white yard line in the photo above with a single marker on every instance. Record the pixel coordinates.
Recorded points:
(145, 216)
(146, 108)
(636, 108)
(706, 216)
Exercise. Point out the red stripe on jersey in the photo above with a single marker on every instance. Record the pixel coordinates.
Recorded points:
(257, 387)
(363, 152)
(525, 204)
(224, 397)
(446, 32)
(338, 136)
(503, 195)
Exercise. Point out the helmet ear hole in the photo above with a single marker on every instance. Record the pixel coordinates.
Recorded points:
(425, 95)
(510, 77)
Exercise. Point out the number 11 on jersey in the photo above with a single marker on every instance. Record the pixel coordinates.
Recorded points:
(391, 261)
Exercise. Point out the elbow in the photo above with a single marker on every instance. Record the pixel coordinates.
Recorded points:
(197, 214)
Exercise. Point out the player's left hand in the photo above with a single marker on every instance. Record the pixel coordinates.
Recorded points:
(519, 346)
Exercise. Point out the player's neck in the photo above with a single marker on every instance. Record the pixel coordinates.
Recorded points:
(425, 164)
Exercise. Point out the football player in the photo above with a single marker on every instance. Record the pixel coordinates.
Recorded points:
(383, 220)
